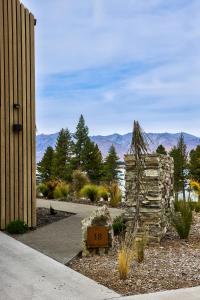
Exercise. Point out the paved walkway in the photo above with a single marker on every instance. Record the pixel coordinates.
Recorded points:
(61, 240)
(26, 274)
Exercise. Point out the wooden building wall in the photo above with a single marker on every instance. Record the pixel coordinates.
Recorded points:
(17, 108)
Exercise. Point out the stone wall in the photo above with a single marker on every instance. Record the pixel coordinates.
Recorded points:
(156, 195)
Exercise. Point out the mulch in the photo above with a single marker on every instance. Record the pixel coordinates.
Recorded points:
(44, 217)
(173, 264)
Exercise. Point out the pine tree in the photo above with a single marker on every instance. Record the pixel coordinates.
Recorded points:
(81, 138)
(93, 162)
(179, 154)
(45, 166)
(161, 150)
(63, 154)
(194, 165)
(111, 166)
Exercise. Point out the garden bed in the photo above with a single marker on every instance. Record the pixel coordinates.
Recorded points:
(44, 217)
(173, 264)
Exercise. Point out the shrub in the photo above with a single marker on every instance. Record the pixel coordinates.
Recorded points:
(51, 185)
(79, 180)
(61, 190)
(119, 225)
(57, 193)
(140, 244)
(90, 191)
(192, 205)
(103, 193)
(123, 264)
(125, 256)
(115, 195)
(42, 188)
(178, 205)
(182, 220)
(17, 227)
(197, 207)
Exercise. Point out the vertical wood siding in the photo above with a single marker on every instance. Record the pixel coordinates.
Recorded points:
(17, 87)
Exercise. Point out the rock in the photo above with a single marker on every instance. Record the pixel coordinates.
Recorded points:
(100, 217)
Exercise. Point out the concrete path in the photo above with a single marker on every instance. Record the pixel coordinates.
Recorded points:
(26, 274)
(61, 240)
(181, 294)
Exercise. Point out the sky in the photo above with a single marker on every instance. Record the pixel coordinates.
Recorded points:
(115, 61)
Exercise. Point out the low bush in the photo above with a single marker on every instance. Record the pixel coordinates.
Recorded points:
(182, 219)
(115, 194)
(197, 207)
(43, 189)
(51, 185)
(192, 205)
(119, 225)
(103, 193)
(17, 227)
(61, 190)
(125, 256)
(79, 180)
(123, 263)
(140, 244)
(90, 191)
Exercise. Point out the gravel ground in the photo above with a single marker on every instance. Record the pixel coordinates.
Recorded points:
(171, 265)
(44, 217)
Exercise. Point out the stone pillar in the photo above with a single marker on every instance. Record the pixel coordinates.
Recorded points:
(156, 194)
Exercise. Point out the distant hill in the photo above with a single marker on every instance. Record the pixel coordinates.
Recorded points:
(121, 142)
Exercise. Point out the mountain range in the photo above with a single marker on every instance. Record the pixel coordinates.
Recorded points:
(121, 142)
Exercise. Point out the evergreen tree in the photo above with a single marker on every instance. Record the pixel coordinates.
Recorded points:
(161, 150)
(179, 155)
(93, 163)
(63, 154)
(194, 165)
(45, 166)
(111, 166)
(81, 138)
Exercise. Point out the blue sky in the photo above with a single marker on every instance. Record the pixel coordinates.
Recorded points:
(116, 61)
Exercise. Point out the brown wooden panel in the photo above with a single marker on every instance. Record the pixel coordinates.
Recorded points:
(19, 101)
(33, 126)
(97, 237)
(7, 112)
(15, 112)
(24, 144)
(10, 108)
(17, 86)
(2, 119)
(28, 115)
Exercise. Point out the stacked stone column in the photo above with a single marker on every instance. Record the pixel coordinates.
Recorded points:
(156, 193)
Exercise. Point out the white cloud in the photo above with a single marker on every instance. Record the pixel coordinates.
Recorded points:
(92, 34)
(72, 35)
